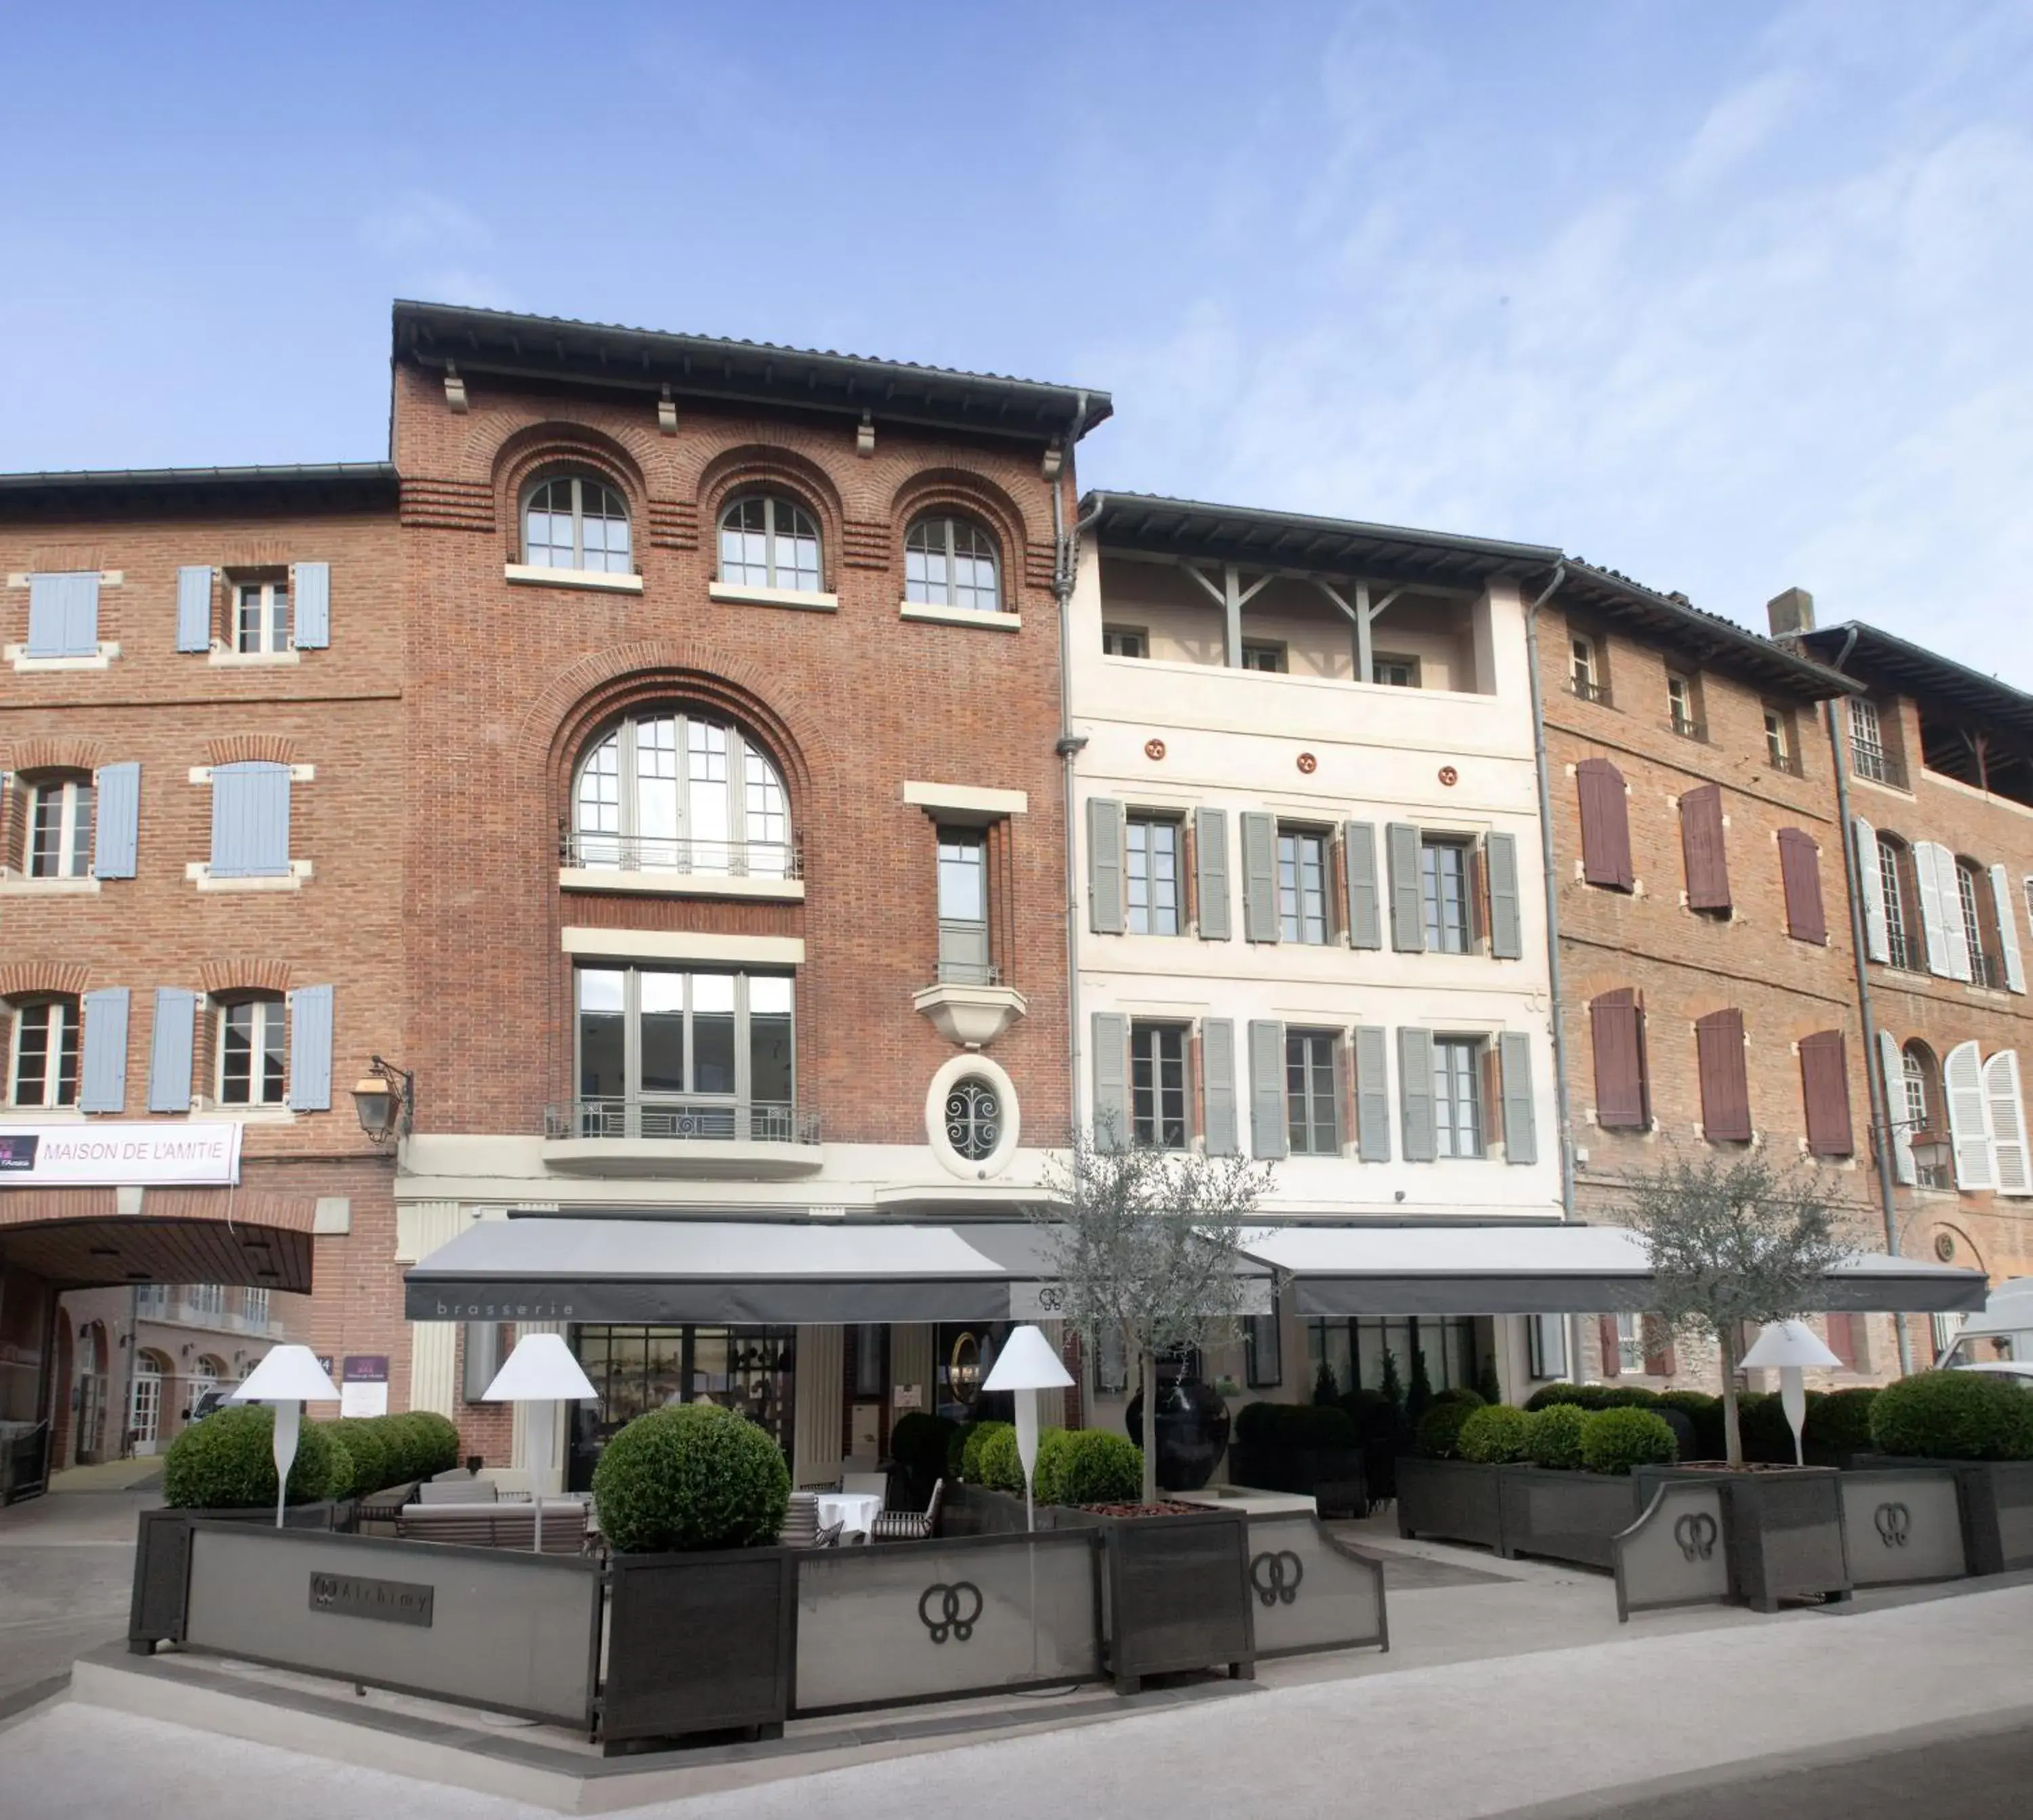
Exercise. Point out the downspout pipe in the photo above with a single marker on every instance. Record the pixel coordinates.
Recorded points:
(1066, 573)
(1873, 1069)
(1546, 865)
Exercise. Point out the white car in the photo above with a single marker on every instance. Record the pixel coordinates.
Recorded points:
(2002, 1335)
(2019, 1373)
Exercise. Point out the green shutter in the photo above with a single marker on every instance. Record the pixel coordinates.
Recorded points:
(1267, 1136)
(1408, 908)
(1506, 933)
(1365, 912)
(1218, 1078)
(1415, 1093)
(1104, 866)
(1372, 1094)
(1260, 878)
(1521, 1134)
(1110, 1069)
(1211, 866)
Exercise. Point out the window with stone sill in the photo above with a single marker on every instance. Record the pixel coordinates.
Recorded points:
(576, 521)
(262, 626)
(671, 791)
(768, 541)
(57, 814)
(952, 562)
(44, 1037)
(249, 1051)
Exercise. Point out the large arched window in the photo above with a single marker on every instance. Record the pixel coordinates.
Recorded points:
(768, 541)
(1978, 911)
(43, 1038)
(576, 522)
(1921, 1108)
(672, 792)
(951, 562)
(1895, 867)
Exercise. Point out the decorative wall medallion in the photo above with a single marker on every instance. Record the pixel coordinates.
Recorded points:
(1308, 764)
(1276, 1577)
(1894, 1524)
(1696, 1534)
(1944, 1246)
(1154, 749)
(1449, 776)
(958, 1608)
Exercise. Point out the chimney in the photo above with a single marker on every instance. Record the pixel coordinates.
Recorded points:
(1790, 612)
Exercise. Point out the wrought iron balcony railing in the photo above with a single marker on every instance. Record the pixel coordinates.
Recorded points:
(1876, 764)
(1590, 691)
(1789, 762)
(656, 853)
(704, 1121)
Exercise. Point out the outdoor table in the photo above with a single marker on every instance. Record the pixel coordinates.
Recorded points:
(855, 1512)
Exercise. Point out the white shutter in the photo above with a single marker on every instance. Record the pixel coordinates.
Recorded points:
(2008, 1122)
(1941, 911)
(2008, 928)
(1870, 870)
(1892, 1065)
(1969, 1117)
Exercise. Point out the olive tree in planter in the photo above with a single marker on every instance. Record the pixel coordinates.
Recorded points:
(1733, 1239)
(1147, 1245)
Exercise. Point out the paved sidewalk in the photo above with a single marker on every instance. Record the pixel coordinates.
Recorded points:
(1451, 1742)
(130, 1475)
(66, 1575)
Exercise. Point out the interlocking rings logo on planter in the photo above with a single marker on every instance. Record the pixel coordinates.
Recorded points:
(1276, 1576)
(1894, 1524)
(958, 1608)
(1696, 1534)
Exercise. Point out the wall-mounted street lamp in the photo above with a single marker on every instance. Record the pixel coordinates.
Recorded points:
(386, 1100)
(1931, 1149)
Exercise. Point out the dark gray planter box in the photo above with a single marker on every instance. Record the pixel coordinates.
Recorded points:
(25, 1464)
(1785, 1530)
(697, 1643)
(162, 1561)
(975, 1511)
(1333, 1478)
(1454, 1499)
(1997, 1508)
(1565, 1516)
(1178, 1593)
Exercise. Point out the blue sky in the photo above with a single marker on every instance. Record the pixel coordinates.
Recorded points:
(1729, 297)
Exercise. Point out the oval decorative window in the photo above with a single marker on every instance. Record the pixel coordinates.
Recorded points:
(973, 1117)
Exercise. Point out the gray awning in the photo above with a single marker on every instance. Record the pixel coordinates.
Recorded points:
(1529, 1269)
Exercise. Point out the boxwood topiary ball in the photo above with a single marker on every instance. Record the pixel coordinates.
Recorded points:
(1088, 1466)
(1439, 1433)
(1554, 1439)
(691, 1476)
(1495, 1434)
(1614, 1440)
(1954, 1415)
(227, 1462)
(1002, 1465)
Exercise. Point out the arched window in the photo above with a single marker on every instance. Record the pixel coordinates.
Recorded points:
(576, 522)
(249, 1050)
(1974, 904)
(1921, 1108)
(670, 792)
(43, 1051)
(768, 541)
(57, 816)
(1895, 866)
(951, 562)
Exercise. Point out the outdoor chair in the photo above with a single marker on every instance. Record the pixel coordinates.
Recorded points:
(801, 1521)
(497, 1526)
(910, 1526)
(462, 1490)
(829, 1538)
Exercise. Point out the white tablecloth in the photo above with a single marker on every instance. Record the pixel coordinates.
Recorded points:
(853, 1511)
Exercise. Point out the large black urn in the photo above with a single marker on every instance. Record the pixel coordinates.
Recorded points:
(1192, 1431)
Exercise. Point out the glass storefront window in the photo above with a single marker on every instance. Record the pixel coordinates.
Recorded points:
(1354, 1349)
(635, 1369)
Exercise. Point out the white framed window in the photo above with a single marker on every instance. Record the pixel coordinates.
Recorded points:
(1584, 674)
(254, 1307)
(576, 522)
(1972, 889)
(144, 1402)
(1150, 875)
(1779, 741)
(768, 541)
(1868, 755)
(1302, 886)
(1395, 672)
(663, 1053)
(672, 793)
(206, 1300)
(1263, 656)
(1899, 950)
(1313, 1126)
(59, 811)
(964, 950)
(249, 1051)
(261, 620)
(952, 562)
(1125, 642)
(1457, 1112)
(1682, 711)
(42, 1053)
(1158, 1085)
(1630, 1344)
(1444, 890)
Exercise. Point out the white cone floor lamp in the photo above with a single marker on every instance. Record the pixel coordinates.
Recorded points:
(1026, 1365)
(289, 1377)
(1791, 1345)
(541, 1372)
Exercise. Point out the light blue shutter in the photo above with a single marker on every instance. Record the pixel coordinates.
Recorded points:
(1260, 878)
(1218, 1078)
(1267, 1136)
(63, 614)
(1506, 933)
(1415, 1093)
(250, 821)
(313, 585)
(1365, 914)
(116, 821)
(1521, 1134)
(1372, 1094)
(310, 1048)
(1211, 868)
(170, 1050)
(1111, 1081)
(1408, 907)
(102, 1080)
(194, 608)
(1104, 866)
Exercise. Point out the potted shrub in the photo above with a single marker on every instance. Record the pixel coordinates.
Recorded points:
(1981, 1425)
(919, 1444)
(1088, 1466)
(691, 1497)
(1439, 1494)
(1566, 1491)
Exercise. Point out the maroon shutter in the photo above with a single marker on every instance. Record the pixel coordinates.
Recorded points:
(1612, 1358)
(1800, 874)
(1842, 1339)
(1825, 1092)
(1605, 824)
(1725, 1092)
(1617, 1024)
(1701, 846)
(1660, 1362)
